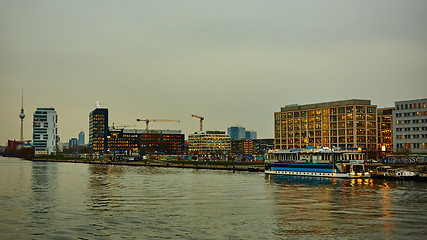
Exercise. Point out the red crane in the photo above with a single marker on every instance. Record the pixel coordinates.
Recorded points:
(201, 121)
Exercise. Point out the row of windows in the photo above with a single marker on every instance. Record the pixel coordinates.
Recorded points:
(338, 132)
(409, 121)
(410, 106)
(349, 124)
(414, 114)
(329, 140)
(317, 166)
(332, 118)
(411, 136)
(327, 111)
(413, 129)
(342, 145)
(411, 145)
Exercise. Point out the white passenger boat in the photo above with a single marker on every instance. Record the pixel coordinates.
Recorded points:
(393, 173)
(317, 162)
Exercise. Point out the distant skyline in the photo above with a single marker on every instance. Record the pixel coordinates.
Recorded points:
(229, 61)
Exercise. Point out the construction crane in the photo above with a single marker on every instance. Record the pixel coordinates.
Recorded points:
(121, 126)
(201, 121)
(154, 120)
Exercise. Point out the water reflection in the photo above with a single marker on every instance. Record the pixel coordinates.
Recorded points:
(43, 196)
(299, 180)
(344, 208)
(104, 181)
(77, 201)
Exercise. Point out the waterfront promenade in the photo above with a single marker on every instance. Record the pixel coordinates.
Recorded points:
(255, 166)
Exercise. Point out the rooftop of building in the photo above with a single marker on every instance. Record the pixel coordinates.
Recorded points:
(45, 109)
(385, 111)
(236, 126)
(413, 100)
(210, 132)
(145, 131)
(100, 110)
(296, 107)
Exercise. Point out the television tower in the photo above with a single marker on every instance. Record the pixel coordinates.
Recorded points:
(22, 116)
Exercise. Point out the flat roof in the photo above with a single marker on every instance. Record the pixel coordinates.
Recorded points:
(296, 107)
(413, 100)
(144, 131)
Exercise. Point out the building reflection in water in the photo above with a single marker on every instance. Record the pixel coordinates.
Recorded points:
(104, 183)
(43, 196)
(304, 211)
(386, 208)
(312, 206)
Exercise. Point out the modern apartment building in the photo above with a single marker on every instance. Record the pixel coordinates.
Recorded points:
(209, 143)
(98, 130)
(385, 130)
(130, 141)
(347, 124)
(45, 131)
(410, 126)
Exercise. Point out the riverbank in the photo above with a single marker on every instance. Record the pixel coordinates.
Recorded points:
(212, 165)
(254, 166)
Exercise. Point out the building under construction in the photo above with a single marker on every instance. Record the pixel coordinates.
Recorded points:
(122, 141)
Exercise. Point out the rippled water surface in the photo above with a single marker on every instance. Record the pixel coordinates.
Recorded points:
(76, 201)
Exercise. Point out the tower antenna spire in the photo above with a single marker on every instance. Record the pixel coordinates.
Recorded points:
(22, 115)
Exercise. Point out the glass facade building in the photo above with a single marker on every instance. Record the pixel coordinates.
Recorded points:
(346, 124)
(251, 135)
(236, 132)
(81, 138)
(98, 130)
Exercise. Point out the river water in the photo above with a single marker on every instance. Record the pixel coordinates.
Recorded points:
(47, 200)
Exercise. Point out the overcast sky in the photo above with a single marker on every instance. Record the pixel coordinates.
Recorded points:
(233, 62)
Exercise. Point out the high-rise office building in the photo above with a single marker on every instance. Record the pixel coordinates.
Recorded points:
(45, 131)
(81, 138)
(410, 126)
(346, 124)
(98, 130)
(236, 132)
